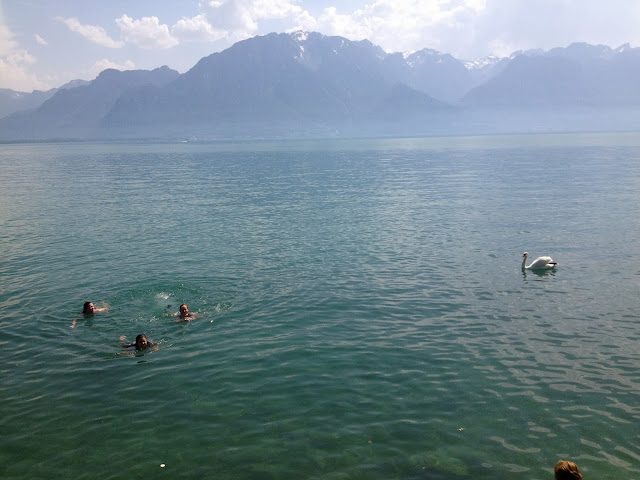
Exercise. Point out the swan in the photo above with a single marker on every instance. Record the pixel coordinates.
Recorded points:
(540, 263)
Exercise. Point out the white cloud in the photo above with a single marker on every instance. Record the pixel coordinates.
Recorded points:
(241, 18)
(39, 39)
(468, 29)
(196, 29)
(104, 64)
(21, 57)
(15, 63)
(269, 9)
(471, 29)
(14, 72)
(7, 43)
(522, 24)
(92, 33)
(404, 25)
(146, 33)
(354, 26)
(234, 17)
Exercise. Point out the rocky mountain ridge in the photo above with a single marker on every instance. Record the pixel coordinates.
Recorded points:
(312, 84)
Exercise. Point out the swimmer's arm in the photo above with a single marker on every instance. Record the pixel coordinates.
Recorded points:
(103, 309)
(73, 323)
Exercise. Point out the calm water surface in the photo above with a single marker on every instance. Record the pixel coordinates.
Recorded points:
(361, 309)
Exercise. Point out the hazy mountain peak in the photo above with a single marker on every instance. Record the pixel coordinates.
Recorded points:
(581, 52)
(623, 48)
(112, 72)
(426, 55)
(74, 84)
(300, 35)
(482, 62)
(12, 94)
(532, 52)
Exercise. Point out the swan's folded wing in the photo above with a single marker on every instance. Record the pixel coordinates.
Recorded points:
(541, 262)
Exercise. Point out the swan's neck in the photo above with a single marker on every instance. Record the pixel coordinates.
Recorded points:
(524, 260)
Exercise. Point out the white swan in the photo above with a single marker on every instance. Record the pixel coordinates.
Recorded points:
(540, 263)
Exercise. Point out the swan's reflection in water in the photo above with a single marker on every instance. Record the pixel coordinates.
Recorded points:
(538, 273)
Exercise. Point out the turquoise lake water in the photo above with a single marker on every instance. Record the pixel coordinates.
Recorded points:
(362, 313)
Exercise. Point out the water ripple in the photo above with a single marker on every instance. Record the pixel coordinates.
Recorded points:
(361, 311)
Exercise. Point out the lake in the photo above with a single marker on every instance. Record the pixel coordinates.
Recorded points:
(361, 308)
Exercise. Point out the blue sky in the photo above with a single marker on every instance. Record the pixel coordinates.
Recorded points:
(44, 44)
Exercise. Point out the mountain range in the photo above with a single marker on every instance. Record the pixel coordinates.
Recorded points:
(12, 101)
(309, 84)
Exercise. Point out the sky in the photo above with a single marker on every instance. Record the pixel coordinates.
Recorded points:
(44, 44)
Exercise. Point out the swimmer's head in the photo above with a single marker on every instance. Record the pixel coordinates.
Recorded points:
(141, 342)
(184, 310)
(87, 308)
(564, 470)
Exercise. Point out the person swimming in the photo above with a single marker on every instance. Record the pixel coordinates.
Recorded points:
(141, 343)
(88, 309)
(184, 315)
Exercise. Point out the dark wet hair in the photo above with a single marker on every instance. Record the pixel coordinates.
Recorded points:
(85, 307)
(139, 338)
